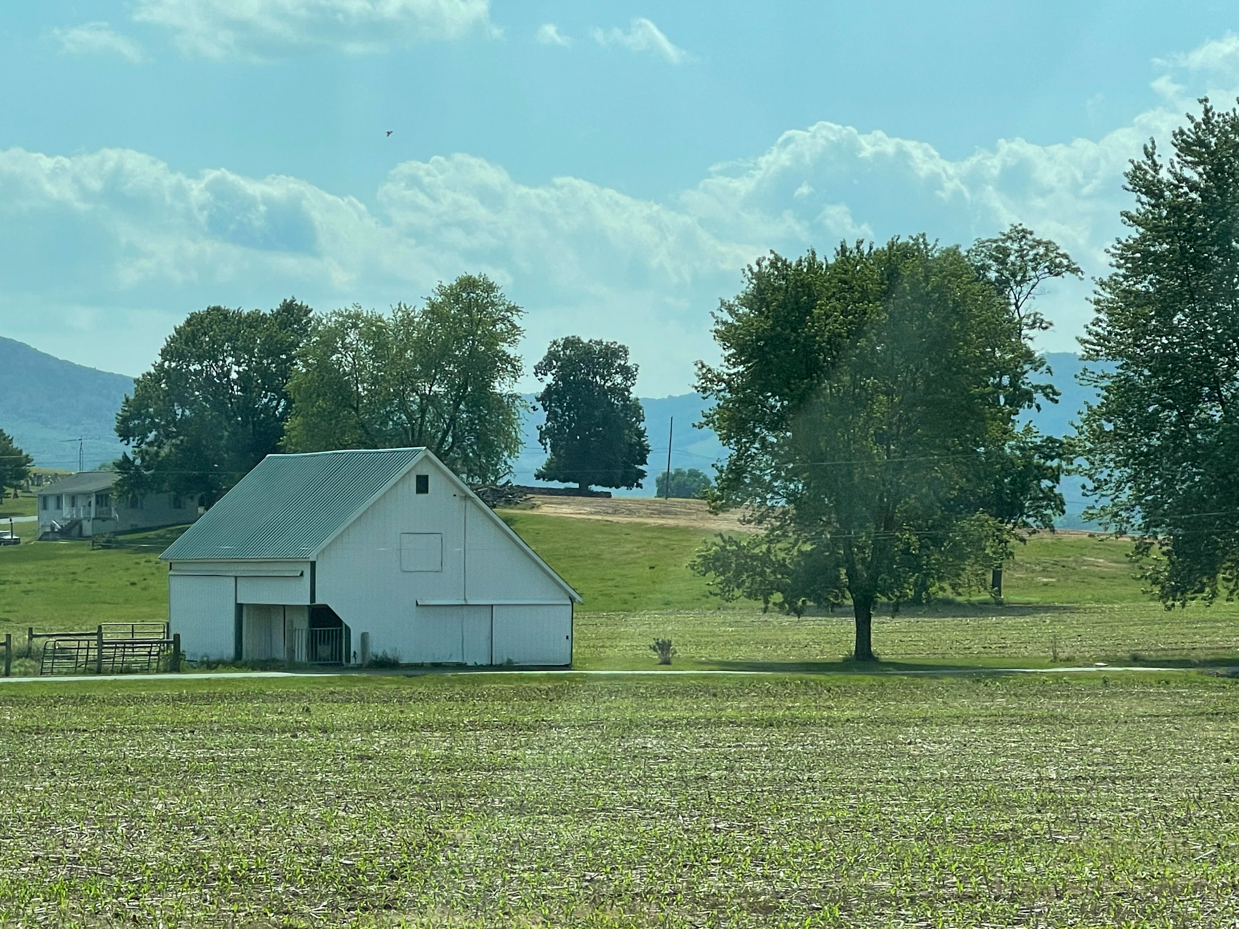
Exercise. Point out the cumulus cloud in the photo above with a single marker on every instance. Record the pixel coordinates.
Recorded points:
(98, 39)
(117, 246)
(221, 29)
(549, 34)
(643, 36)
(119, 228)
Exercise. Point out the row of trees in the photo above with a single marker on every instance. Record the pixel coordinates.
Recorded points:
(233, 386)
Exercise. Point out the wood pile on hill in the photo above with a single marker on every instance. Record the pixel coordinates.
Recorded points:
(505, 494)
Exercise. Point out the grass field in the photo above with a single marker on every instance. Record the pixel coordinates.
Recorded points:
(802, 797)
(1071, 599)
(650, 801)
(22, 506)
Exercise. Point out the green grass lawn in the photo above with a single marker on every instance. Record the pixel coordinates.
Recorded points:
(471, 801)
(22, 506)
(1071, 599)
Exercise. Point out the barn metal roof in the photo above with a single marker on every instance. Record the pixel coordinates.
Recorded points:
(290, 506)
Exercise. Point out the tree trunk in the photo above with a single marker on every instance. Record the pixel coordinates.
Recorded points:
(995, 582)
(863, 610)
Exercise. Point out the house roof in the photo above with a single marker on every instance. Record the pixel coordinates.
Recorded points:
(290, 506)
(84, 482)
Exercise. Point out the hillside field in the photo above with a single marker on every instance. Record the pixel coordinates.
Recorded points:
(1071, 599)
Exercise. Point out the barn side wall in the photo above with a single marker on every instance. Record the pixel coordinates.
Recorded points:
(203, 611)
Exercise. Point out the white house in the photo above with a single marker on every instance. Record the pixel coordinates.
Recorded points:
(84, 505)
(331, 557)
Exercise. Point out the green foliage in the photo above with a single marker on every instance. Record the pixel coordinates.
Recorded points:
(440, 376)
(664, 650)
(639, 801)
(863, 400)
(1162, 442)
(594, 429)
(14, 464)
(1028, 468)
(686, 484)
(213, 405)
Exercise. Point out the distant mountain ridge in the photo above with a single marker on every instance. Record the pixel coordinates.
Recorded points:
(47, 404)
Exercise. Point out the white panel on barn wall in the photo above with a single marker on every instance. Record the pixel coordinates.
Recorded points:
(437, 636)
(274, 589)
(532, 635)
(421, 551)
(203, 611)
(476, 634)
(262, 632)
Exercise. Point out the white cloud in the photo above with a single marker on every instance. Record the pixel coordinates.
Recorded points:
(643, 36)
(98, 39)
(105, 252)
(549, 34)
(221, 29)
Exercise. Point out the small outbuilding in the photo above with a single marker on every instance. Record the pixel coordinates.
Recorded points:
(335, 557)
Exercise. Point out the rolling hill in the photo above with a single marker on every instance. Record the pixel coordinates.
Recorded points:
(48, 404)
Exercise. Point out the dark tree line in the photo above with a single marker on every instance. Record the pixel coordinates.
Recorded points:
(233, 386)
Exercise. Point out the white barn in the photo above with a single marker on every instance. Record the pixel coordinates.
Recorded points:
(333, 557)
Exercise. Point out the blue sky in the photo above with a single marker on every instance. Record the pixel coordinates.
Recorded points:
(613, 165)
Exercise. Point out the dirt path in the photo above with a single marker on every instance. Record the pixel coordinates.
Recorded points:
(690, 514)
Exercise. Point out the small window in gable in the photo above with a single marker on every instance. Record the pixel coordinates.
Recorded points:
(423, 483)
(421, 551)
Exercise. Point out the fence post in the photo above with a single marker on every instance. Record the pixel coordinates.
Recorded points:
(29, 638)
(99, 649)
(176, 652)
(8, 653)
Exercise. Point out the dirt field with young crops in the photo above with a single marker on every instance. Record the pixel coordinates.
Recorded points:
(647, 801)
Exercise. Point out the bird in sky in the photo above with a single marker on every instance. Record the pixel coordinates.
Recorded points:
(390, 131)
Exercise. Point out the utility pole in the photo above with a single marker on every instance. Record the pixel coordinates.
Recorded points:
(667, 480)
(81, 457)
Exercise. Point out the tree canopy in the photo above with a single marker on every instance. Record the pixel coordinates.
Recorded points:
(863, 399)
(1024, 494)
(1161, 444)
(442, 376)
(595, 428)
(214, 404)
(683, 483)
(14, 464)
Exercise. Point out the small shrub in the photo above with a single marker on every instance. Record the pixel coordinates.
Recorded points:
(664, 650)
(383, 660)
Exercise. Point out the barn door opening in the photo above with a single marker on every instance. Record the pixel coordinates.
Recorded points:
(326, 641)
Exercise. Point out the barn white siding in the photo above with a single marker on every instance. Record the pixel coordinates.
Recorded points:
(497, 569)
(203, 611)
(532, 635)
(362, 576)
(282, 590)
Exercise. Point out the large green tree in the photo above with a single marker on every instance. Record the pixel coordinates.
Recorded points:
(214, 404)
(860, 398)
(14, 464)
(595, 427)
(1024, 494)
(1162, 442)
(442, 376)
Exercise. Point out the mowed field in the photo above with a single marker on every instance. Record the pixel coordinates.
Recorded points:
(930, 791)
(504, 800)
